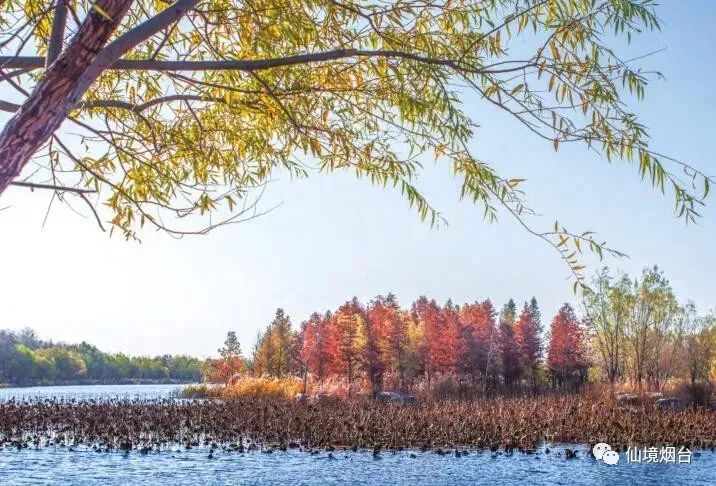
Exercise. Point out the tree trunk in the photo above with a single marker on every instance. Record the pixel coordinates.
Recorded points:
(58, 92)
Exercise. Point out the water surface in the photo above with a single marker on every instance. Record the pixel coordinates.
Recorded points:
(189, 467)
(86, 392)
(177, 466)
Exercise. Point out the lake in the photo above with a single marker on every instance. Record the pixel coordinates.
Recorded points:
(87, 392)
(178, 466)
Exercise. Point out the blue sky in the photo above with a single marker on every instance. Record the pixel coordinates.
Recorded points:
(335, 237)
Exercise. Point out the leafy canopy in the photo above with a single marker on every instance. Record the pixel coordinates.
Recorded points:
(370, 87)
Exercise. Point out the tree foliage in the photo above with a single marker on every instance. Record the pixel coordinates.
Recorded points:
(566, 354)
(190, 109)
(528, 336)
(640, 332)
(26, 359)
(229, 365)
(378, 345)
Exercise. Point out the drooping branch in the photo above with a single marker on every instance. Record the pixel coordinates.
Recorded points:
(135, 108)
(52, 187)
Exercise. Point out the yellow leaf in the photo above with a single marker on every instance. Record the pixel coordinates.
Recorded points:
(101, 11)
(315, 146)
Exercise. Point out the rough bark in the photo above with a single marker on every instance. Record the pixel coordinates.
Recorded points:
(46, 108)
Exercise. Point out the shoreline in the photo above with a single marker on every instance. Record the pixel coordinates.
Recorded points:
(98, 383)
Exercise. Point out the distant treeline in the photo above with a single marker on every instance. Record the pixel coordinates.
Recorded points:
(632, 333)
(25, 359)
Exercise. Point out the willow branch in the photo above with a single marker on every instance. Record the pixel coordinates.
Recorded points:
(135, 108)
(252, 65)
(52, 187)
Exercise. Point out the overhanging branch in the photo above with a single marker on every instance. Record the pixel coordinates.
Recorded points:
(52, 187)
(136, 108)
(250, 65)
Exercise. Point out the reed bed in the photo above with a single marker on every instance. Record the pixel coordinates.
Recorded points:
(247, 423)
(246, 387)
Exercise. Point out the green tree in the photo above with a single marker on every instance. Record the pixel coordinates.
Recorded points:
(508, 345)
(231, 362)
(606, 305)
(699, 345)
(535, 312)
(232, 347)
(529, 342)
(23, 366)
(184, 368)
(66, 365)
(7, 347)
(122, 366)
(192, 108)
(97, 362)
(649, 302)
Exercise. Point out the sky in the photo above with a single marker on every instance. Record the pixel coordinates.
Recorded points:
(334, 237)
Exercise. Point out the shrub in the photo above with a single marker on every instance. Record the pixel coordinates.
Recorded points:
(193, 391)
(263, 387)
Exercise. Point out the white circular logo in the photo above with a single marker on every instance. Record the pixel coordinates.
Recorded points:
(599, 450)
(611, 457)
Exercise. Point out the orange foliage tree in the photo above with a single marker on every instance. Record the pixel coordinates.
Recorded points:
(380, 345)
(479, 333)
(566, 357)
(319, 350)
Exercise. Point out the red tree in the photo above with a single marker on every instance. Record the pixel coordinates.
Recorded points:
(450, 343)
(374, 343)
(427, 315)
(478, 329)
(319, 351)
(565, 357)
(393, 328)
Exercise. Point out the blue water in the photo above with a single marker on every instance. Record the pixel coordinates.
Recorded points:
(87, 392)
(177, 466)
(181, 467)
